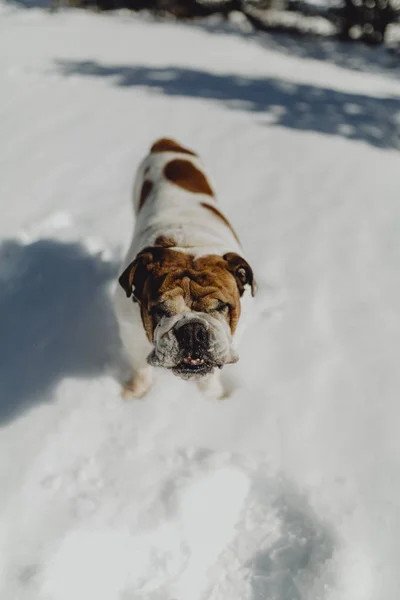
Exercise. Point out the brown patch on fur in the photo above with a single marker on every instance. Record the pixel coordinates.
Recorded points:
(165, 242)
(184, 174)
(178, 282)
(168, 145)
(146, 189)
(222, 217)
(194, 284)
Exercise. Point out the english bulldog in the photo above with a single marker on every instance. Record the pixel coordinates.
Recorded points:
(185, 284)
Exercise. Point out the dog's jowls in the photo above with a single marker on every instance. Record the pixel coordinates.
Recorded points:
(185, 284)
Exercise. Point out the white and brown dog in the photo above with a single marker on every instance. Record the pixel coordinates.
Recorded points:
(185, 282)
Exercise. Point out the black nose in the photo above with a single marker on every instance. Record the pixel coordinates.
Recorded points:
(192, 337)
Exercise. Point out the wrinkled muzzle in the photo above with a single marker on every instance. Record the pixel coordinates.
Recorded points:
(192, 345)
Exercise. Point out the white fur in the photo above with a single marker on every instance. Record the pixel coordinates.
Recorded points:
(171, 211)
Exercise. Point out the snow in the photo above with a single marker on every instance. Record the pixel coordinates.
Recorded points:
(287, 490)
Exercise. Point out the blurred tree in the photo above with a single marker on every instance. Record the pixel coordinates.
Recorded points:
(372, 16)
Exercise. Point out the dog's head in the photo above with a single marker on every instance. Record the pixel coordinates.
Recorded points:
(190, 306)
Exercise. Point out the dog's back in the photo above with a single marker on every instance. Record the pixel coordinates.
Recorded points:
(174, 198)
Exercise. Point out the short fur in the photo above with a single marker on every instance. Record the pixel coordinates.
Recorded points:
(184, 268)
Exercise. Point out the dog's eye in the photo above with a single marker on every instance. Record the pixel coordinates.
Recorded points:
(160, 311)
(222, 307)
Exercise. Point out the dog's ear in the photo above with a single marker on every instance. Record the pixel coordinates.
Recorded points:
(242, 271)
(134, 277)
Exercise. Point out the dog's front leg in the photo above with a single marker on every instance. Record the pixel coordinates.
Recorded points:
(139, 384)
(137, 349)
(211, 385)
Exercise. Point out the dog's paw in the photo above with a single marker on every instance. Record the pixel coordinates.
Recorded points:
(138, 385)
(212, 387)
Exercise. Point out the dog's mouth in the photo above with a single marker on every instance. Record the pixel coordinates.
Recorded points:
(193, 367)
(193, 363)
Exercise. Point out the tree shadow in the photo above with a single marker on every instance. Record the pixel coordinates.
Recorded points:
(56, 320)
(375, 121)
(31, 3)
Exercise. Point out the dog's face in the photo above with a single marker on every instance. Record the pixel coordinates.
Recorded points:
(189, 307)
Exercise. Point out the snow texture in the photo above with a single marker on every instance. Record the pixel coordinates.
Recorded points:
(290, 488)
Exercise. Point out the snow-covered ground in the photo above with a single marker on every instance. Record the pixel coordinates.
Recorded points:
(290, 488)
